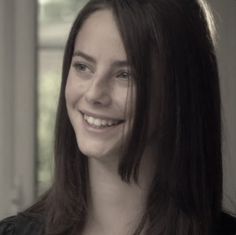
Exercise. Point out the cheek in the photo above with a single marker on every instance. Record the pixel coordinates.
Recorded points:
(71, 91)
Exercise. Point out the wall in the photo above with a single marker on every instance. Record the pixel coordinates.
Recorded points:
(225, 16)
(17, 104)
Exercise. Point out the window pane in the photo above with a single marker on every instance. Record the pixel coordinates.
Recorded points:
(54, 21)
(55, 17)
(48, 89)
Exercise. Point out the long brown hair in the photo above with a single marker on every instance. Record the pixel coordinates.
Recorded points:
(170, 48)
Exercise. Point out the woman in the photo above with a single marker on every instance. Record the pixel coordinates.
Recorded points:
(138, 131)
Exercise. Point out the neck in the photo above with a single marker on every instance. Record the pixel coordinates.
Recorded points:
(113, 204)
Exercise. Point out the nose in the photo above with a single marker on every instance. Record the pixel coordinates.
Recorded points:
(98, 92)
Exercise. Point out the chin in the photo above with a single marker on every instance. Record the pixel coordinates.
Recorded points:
(98, 152)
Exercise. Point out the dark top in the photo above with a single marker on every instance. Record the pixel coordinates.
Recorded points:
(25, 225)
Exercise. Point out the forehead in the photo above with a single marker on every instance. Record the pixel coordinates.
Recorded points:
(99, 34)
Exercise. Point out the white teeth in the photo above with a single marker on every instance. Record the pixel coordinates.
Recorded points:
(104, 122)
(98, 122)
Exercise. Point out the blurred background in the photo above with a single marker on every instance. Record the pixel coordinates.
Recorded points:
(32, 39)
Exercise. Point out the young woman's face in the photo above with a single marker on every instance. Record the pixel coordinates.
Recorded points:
(99, 87)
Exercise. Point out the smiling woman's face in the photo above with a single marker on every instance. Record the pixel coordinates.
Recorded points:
(99, 87)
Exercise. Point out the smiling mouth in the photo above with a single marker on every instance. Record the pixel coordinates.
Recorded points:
(100, 123)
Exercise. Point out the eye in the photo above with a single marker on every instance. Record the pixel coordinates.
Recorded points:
(80, 67)
(124, 75)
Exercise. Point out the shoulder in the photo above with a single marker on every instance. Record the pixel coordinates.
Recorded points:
(226, 225)
(21, 224)
(7, 226)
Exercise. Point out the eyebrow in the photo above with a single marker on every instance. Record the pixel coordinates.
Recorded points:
(117, 63)
(84, 55)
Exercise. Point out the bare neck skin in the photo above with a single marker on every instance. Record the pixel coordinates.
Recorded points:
(116, 207)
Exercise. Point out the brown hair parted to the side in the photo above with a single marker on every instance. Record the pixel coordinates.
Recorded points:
(171, 52)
